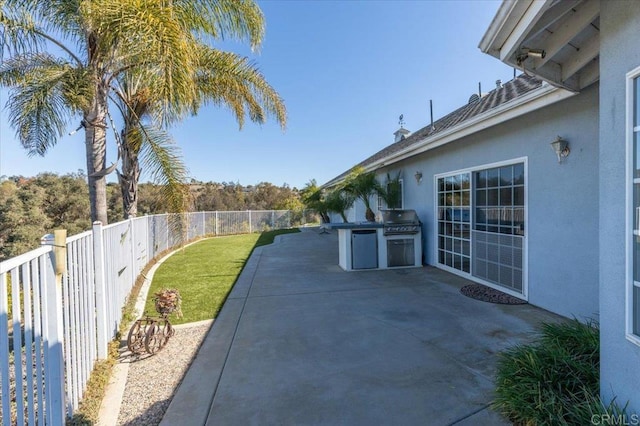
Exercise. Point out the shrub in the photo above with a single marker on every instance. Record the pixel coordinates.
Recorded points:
(554, 380)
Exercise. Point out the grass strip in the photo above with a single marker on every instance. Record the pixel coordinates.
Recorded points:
(205, 273)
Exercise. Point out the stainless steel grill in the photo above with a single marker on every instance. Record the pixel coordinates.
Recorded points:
(400, 222)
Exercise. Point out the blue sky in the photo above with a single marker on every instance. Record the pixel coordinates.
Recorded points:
(345, 69)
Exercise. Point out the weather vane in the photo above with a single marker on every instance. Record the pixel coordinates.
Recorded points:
(401, 120)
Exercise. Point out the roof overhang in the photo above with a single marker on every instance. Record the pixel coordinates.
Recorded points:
(567, 31)
(536, 99)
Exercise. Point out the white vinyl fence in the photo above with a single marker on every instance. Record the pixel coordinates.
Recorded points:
(54, 327)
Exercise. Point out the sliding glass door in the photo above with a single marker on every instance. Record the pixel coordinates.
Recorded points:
(481, 224)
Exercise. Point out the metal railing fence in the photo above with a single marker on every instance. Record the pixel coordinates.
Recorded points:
(55, 325)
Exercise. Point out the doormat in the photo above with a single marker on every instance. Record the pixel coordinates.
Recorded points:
(488, 294)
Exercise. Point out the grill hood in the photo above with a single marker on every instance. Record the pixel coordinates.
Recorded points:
(400, 217)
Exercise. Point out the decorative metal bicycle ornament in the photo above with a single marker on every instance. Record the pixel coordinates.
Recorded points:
(150, 334)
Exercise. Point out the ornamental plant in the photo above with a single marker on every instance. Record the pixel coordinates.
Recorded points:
(168, 301)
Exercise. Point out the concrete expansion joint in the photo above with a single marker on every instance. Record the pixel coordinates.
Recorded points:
(473, 413)
(455, 360)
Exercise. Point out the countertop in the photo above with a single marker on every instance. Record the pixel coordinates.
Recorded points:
(356, 225)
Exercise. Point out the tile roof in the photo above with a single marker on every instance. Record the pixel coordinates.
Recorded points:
(511, 90)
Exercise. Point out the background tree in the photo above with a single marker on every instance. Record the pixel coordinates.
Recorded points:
(66, 201)
(312, 197)
(22, 221)
(33, 207)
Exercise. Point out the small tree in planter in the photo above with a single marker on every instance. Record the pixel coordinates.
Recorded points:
(362, 185)
(338, 201)
(391, 192)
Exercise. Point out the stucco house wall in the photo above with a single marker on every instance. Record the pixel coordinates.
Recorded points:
(562, 198)
(619, 54)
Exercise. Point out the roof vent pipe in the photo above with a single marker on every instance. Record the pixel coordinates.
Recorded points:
(498, 84)
(431, 111)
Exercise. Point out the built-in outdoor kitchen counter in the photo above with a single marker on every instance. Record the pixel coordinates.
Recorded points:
(394, 243)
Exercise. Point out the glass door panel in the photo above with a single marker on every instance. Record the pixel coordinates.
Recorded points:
(498, 227)
(454, 221)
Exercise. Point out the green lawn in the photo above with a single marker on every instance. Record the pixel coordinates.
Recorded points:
(205, 272)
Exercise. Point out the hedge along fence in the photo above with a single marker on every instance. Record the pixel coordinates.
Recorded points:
(61, 304)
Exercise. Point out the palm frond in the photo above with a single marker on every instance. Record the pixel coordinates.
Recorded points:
(44, 94)
(18, 27)
(161, 160)
(221, 19)
(26, 26)
(155, 43)
(225, 78)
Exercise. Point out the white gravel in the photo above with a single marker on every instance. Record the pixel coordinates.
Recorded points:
(152, 380)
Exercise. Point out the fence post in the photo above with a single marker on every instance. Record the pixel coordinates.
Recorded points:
(55, 333)
(132, 247)
(250, 231)
(168, 228)
(101, 290)
(216, 219)
(273, 219)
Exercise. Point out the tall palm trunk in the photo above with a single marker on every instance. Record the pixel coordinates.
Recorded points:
(130, 174)
(95, 139)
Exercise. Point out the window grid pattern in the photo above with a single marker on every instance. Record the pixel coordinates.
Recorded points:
(499, 225)
(498, 259)
(383, 206)
(499, 200)
(454, 221)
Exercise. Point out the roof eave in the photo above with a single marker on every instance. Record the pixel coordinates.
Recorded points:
(543, 96)
(518, 27)
(500, 27)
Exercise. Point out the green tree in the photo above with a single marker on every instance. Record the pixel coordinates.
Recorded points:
(312, 198)
(362, 185)
(66, 201)
(223, 78)
(391, 191)
(339, 201)
(99, 41)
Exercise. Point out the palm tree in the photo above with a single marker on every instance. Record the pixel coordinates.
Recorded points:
(143, 140)
(223, 78)
(338, 201)
(313, 199)
(391, 191)
(362, 185)
(96, 42)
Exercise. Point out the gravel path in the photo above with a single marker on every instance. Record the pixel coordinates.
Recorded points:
(152, 380)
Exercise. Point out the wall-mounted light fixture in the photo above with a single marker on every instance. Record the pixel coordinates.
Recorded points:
(418, 176)
(561, 148)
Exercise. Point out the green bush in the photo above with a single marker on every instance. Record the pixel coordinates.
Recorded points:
(554, 380)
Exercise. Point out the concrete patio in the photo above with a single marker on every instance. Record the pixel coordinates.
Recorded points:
(301, 342)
